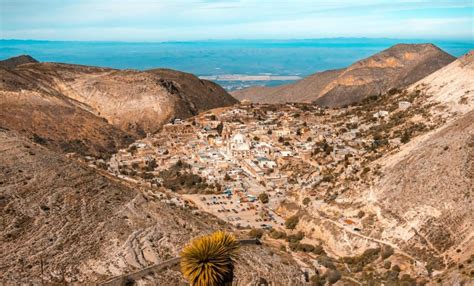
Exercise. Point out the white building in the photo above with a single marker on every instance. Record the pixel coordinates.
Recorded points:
(264, 162)
(238, 146)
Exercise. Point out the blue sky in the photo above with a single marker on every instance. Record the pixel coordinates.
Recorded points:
(171, 20)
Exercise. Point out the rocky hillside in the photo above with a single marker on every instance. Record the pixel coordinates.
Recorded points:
(51, 119)
(428, 187)
(83, 225)
(428, 184)
(396, 67)
(96, 110)
(414, 194)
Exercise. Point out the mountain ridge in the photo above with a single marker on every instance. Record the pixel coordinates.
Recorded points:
(395, 67)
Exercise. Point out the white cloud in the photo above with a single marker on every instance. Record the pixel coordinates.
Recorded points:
(204, 19)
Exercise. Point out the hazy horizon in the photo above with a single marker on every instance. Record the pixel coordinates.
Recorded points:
(232, 63)
(409, 40)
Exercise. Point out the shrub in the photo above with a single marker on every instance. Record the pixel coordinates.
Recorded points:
(332, 276)
(132, 149)
(326, 262)
(295, 237)
(305, 247)
(358, 262)
(38, 139)
(263, 197)
(275, 234)
(405, 137)
(146, 175)
(293, 246)
(386, 251)
(318, 249)
(292, 221)
(256, 233)
(151, 165)
(317, 280)
(306, 201)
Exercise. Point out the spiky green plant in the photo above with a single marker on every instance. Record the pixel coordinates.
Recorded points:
(209, 260)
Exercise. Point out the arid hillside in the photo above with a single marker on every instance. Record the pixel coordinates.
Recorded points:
(396, 67)
(66, 105)
(51, 119)
(428, 187)
(83, 226)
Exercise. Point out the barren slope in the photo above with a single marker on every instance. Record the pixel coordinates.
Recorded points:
(304, 90)
(429, 191)
(131, 100)
(453, 85)
(91, 110)
(85, 226)
(396, 67)
(54, 120)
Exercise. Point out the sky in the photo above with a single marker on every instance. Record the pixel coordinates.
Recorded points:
(182, 20)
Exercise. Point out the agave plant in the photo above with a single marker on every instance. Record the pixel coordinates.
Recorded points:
(209, 260)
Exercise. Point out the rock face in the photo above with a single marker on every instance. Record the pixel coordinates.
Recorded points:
(86, 226)
(396, 67)
(54, 101)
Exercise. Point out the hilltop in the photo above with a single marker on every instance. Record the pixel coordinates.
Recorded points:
(396, 67)
(52, 102)
(16, 61)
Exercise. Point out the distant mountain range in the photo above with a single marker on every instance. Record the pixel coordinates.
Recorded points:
(92, 110)
(396, 67)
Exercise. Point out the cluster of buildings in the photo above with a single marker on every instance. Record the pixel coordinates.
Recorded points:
(248, 151)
